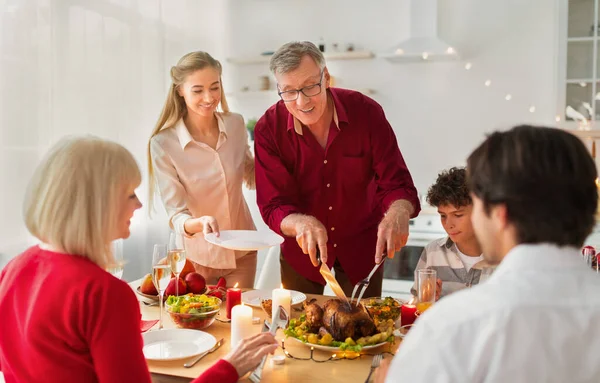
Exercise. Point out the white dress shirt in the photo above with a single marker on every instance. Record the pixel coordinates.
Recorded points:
(536, 319)
(196, 180)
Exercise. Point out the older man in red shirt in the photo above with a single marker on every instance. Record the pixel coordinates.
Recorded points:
(329, 175)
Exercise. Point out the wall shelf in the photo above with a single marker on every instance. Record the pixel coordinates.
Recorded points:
(580, 39)
(579, 80)
(333, 56)
(273, 93)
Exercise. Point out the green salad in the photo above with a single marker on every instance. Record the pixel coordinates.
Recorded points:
(192, 304)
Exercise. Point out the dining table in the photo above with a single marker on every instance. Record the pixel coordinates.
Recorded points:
(301, 362)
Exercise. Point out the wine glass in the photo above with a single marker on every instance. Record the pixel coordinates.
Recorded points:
(161, 275)
(116, 268)
(176, 256)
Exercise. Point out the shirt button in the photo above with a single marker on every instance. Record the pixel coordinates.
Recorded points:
(333, 228)
(335, 245)
(328, 185)
(330, 207)
(325, 161)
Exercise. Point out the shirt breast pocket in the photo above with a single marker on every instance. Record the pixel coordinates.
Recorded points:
(355, 170)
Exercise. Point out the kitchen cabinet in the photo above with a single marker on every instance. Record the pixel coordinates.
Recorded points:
(579, 83)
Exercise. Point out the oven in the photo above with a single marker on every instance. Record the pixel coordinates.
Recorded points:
(398, 273)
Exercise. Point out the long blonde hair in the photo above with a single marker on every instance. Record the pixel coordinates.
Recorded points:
(74, 197)
(175, 108)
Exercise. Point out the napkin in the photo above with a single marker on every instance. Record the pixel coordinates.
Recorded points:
(145, 325)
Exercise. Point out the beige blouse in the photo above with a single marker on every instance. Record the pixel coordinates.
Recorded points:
(196, 180)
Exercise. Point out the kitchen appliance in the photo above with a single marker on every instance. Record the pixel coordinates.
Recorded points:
(398, 273)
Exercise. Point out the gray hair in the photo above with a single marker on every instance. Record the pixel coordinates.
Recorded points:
(288, 56)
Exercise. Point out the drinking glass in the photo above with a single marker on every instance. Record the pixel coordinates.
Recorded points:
(116, 268)
(161, 275)
(426, 286)
(176, 256)
(589, 254)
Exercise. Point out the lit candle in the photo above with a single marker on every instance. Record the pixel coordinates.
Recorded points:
(281, 297)
(241, 324)
(234, 298)
(407, 314)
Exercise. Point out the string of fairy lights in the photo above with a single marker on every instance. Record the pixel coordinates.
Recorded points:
(341, 355)
(507, 96)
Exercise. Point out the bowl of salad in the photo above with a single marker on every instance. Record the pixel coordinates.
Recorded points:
(383, 308)
(193, 311)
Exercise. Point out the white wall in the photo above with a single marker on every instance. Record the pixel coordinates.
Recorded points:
(440, 111)
(88, 67)
(101, 67)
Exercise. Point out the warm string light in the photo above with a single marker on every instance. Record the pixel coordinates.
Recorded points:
(508, 96)
(348, 355)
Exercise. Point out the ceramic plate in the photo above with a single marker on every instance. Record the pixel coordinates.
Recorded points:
(334, 349)
(245, 240)
(153, 297)
(173, 344)
(254, 297)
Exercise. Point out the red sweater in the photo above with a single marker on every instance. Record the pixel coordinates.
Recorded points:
(64, 319)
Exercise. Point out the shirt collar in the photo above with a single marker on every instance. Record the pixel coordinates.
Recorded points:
(184, 136)
(447, 243)
(339, 114)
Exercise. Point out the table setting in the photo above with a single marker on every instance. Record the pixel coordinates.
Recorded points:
(189, 331)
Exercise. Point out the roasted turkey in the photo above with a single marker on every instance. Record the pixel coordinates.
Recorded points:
(343, 322)
(314, 316)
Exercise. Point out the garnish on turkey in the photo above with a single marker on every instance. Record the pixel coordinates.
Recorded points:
(338, 325)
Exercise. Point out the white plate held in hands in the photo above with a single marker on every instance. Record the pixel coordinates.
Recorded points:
(245, 240)
(173, 344)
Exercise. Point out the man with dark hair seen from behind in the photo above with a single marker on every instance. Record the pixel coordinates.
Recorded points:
(536, 319)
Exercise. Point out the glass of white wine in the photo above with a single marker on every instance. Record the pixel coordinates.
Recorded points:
(161, 275)
(176, 256)
(116, 268)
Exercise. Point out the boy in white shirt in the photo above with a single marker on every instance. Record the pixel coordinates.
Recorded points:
(456, 258)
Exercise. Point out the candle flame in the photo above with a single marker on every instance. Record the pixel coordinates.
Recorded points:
(282, 286)
(412, 301)
(597, 183)
(236, 285)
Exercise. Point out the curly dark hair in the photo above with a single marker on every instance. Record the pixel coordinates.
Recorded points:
(450, 188)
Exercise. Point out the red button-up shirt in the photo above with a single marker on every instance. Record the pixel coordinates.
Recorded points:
(347, 186)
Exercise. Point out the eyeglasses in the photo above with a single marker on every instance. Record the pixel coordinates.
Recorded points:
(308, 91)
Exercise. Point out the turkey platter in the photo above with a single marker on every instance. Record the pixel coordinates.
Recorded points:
(337, 324)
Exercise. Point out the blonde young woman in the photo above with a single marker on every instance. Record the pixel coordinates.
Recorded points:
(199, 158)
(64, 318)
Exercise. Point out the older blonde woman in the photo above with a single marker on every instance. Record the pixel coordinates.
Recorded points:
(64, 318)
(200, 158)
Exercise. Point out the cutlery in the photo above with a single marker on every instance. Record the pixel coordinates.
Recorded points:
(215, 347)
(330, 278)
(279, 320)
(365, 282)
(374, 364)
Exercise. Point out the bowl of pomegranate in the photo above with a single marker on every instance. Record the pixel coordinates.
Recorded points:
(193, 311)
